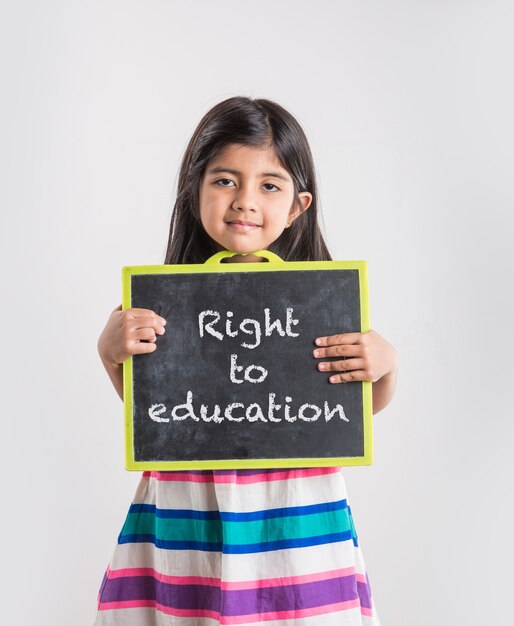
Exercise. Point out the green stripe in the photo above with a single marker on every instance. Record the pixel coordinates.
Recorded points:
(173, 529)
(294, 527)
(237, 532)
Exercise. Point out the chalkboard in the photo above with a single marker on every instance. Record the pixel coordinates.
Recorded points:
(233, 382)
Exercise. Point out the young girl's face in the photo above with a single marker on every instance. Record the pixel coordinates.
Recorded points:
(246, 198)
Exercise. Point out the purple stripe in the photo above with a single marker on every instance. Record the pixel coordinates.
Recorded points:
(237, 602)
(148, 588)
(364, 593)
(102, 586)
(290, 597)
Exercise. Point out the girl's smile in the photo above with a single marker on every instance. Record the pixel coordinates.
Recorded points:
(247, 198)
(239, 225)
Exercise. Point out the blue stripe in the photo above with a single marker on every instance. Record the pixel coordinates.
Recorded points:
(171, 545)
(268, 546)
(354, 532)
(174, 513)
(309, 509)
(227, 516)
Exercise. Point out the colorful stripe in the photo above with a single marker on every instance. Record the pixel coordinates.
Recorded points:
(239, 619)
(238, 533)
(204, 580)
(240, 477)
(215, 534)
(144, 590)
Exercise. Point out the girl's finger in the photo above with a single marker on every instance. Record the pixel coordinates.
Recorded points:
(146, 321)
(341, 366)
(347, 377)
(142, 347)
(144, 334)
(144, 313)
(339, 350)
(342, 338)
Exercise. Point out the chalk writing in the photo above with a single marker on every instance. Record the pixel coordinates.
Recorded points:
(208, 319)
(234, 368)
(253, 412)
(209, 324)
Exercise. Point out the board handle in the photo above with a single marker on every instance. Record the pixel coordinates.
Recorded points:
(216, 258)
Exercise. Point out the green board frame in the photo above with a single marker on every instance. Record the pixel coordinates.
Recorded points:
(274, 264)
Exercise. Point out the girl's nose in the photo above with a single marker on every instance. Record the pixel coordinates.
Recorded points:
(245, 200)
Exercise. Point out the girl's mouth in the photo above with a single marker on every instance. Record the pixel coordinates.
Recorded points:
(242, 226)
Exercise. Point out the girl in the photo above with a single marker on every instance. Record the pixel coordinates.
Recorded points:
(200, 548)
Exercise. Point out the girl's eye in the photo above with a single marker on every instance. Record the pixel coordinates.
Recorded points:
(222, 180)
(221, 183)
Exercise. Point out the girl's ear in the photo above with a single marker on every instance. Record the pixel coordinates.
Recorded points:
(305, 199)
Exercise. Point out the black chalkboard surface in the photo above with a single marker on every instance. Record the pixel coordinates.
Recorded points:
(233, 382)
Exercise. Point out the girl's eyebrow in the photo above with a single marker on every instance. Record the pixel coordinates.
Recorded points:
(218, 170)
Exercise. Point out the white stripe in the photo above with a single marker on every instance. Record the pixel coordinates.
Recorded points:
(241, 497)
(237, 567)
(351, 617)
(278, 494)
(176, 495)
(167, 562)
(147, 616)
(291, 562)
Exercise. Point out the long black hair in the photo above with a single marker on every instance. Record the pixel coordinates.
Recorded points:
(250, 122)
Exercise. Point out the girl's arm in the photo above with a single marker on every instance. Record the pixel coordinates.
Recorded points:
(128, 332)
(383, 390)
(115, 372)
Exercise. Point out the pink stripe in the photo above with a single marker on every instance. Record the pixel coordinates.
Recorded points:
(289, 580)
(127, 604)
(277, 615)
(140, 604)
(241, 479)
(238, 619)
(361, 578)
(172, 580)
(233, 586)
(285, 475)
(366, 611)
(187, 612)
(180, 477)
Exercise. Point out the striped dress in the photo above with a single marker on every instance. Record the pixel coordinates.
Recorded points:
(202, 548)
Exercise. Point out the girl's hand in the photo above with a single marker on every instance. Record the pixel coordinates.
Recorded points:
(128, 332)
(366, 356)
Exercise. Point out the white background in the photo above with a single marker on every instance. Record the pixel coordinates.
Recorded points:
(408, 109)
